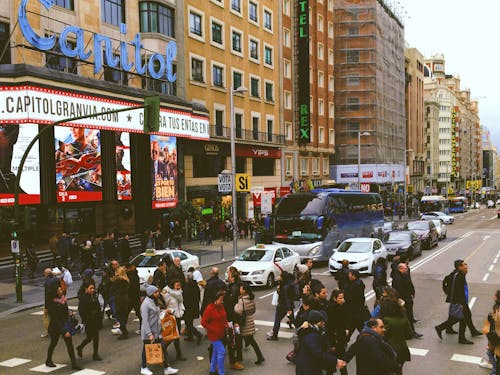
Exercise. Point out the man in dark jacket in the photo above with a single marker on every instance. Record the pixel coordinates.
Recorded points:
(342, 275)
(160, 275)
(214, 284)
(134, 291)
(191, 296)
(175, 273)
(354, 294)
(314, 353)
(459, 293)
(373, 355)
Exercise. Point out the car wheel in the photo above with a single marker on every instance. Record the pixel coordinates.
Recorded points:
(270, 280)
(411, 254)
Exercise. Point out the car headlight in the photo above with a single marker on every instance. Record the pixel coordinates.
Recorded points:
(364, 260)
(315, 250)
(259, 272)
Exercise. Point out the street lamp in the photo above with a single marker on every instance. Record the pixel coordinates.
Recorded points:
(405, 184)
(239, 90)
(359, 156)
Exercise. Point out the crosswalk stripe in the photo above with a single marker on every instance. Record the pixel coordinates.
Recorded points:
(13, 362)
(45, 369)
(87, 371)
(418, 352)
(37, 312)
(466, 358)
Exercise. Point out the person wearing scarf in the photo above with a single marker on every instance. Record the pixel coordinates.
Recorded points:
(175, 306)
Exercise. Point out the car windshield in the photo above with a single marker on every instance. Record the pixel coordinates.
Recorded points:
(354, 247)
(439, 213)
(418, 225)
(146, 260)
(398, 236)
(254, 255)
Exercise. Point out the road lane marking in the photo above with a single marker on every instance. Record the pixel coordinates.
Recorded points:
(87, 371)
(418, 352)
(37, 312)
(45, 369)
(486, 237)
(266, 295)
(472, 301)
(493, 217)
(495, 260)
(466, 358)
(266, 323)
(13, 362)
(491, 268)
(486, 277)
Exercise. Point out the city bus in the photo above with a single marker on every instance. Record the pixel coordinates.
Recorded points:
(316, 222)
(457, 204)
(430, 203)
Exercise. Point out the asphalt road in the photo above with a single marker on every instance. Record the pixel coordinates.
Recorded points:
(474, 237)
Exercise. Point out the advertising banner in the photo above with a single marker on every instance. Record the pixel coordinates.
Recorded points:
(14, 139)
(164, 171)
(123, 166)
(78, 164)
(257, 196)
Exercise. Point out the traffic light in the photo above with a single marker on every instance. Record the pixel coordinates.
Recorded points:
(151, 114)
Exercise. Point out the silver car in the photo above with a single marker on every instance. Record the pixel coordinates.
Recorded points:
(441, 228)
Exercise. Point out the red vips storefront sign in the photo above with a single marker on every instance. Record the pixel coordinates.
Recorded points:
(258, 152)
(257, 196)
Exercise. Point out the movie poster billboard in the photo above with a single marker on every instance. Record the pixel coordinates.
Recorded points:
(164, 171)
(14, 140)
(78, 164)
(123, 166)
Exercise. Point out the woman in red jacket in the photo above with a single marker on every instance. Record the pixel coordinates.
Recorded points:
(214, 320)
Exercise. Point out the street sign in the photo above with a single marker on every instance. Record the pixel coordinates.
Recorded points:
(242, 182)
(14, 246)
(225, 183)
(365, 187)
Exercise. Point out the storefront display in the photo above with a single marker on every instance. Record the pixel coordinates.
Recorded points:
(123, 166)
(164, 171)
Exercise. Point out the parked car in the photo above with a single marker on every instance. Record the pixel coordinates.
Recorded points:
(447, 219)
(426, 230)
(362, 254)
(147, 261)
(389, 226)
(261, 264)
(441, 228)
(404, 242)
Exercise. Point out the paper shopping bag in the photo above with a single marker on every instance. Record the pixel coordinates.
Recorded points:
(169, 330)
(154, 354)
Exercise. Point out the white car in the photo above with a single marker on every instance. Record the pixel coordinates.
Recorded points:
(261, 265)
(440, 228)
(146, 262)
(447, 219)
(362, 254)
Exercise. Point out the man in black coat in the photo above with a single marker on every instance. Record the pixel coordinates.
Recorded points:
(373, 355)
(191, 296)
(134, 291)
(354, 294)
(175, 273)
(160, 275)
(214, 284)
(459, 293)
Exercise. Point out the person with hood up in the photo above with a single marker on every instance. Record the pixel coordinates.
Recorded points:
(174, 303)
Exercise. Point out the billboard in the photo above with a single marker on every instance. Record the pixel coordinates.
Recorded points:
(303, 95)
(14, 139)
(78, 164)
(163, 171)
(123, 166)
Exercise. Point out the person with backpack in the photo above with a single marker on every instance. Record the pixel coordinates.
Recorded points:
(457, 292)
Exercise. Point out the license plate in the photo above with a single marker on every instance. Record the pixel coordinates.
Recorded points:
(296, 233)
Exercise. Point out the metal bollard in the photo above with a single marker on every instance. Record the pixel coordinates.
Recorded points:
(222, 251)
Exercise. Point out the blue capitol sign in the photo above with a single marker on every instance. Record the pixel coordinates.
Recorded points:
(158, 66)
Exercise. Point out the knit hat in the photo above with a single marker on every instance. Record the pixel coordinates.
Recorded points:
(302, 268)
(314, 317)
(150, 289)
(88, 273)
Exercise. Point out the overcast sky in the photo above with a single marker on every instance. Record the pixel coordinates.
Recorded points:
(467, 33)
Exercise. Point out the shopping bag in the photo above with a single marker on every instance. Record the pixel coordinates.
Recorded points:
(154, 354)
(169, 330)
(274, 299)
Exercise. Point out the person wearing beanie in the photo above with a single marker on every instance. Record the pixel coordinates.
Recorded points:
(313, 355)
(151, 329)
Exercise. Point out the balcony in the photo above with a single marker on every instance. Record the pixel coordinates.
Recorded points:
(219, 131)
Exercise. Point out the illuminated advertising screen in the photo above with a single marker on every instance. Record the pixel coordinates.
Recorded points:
(78, 164)
(14, 140)
(164, 171)
(123, 181)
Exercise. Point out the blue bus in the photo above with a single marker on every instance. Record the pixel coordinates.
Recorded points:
(316, 222)
(457, 204)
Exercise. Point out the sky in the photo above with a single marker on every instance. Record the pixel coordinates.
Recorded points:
(467, 33)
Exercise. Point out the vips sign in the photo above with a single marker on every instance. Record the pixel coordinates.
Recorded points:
(164, 171)
(44, 106)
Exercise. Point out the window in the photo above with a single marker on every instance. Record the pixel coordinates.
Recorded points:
(216, 32)
(330, 56)
(66, 4)
(353, 31)
(113, 11)
(320, 22)
(4, 40)
(326, 166)
(160, 85)
(288, 166)
(237, 80)
(288, 131)
(263, 167)
(238, 119)
(321, 136)
(304, 168)
(208, 165)
(330, 30)
(254, 87)
(254, 49)
(352, 56)
(270, 130)
(321, 79)
(255, 127)
(268, 20)
(288, 100)
(236, 41)
(353, 80)
(253, 11)
(219, 122)
(287, 69)
(236, 5)
(331, 110)
(269, 91)
(330, 83)
(321, 107)
(195, 23)
(217, 75)
(197, 70)
(286, 7)
(315, 166)
(286, 38)
(57, 61)
(330, 5)
(331, 136)
(268, 55)
(157, 18)
(353, 104)
(321, 51)
(117, 75)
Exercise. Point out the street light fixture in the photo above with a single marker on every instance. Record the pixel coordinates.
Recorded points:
(359, 155)
(239, 90)
(405, 194)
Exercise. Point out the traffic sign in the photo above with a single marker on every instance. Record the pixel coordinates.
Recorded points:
(14, 246)
(225, 183)
(365, 187)
(242, 182)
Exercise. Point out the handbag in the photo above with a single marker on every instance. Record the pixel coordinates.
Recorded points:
(229, 336)
(456, 310)
(154, 354)
(169, 331)
(274, 300)
(71, 325)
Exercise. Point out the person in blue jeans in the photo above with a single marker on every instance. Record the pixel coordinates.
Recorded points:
(214, 320)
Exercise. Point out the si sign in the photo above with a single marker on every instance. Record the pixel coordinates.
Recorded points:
(242, 182)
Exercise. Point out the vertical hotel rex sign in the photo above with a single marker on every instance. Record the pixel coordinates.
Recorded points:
(303, 92)
(454, 146)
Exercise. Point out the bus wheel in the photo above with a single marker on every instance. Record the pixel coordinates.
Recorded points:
(270, 280)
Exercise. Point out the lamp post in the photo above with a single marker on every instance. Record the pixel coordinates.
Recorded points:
(405, 193)
(239, 90)
(359, 156)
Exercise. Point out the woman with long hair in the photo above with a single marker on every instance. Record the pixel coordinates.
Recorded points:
(214, 320)
(119, 289)
(59, 325)
(174, 303)
(90, 312)
(338, 324)
(286, 295)
(245, 308)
